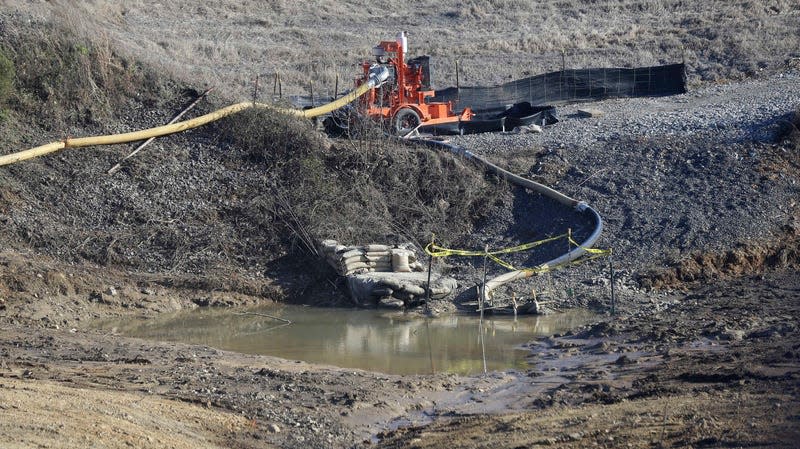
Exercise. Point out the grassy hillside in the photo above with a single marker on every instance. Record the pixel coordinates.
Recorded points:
(227, 43)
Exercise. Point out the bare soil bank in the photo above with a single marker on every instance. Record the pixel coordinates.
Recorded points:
(717, 367)
(698, 191)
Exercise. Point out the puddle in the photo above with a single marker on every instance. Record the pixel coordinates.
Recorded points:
(374, 340)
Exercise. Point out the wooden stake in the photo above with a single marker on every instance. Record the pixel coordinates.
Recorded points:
(514, 303)
(115, 168)
(569, 240)
(484, 296)
(255, 89)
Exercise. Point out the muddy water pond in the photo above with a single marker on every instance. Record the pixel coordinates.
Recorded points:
(374, 340)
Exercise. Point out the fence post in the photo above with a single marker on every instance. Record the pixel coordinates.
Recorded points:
(255, 89)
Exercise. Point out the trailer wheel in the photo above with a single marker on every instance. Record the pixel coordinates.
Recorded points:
(405, 121)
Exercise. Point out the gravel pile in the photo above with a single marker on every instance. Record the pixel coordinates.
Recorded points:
(699, 171)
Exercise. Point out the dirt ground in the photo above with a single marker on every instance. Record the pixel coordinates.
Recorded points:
(698, 193)
(715, 367)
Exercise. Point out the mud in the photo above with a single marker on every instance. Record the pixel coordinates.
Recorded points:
(715, 367)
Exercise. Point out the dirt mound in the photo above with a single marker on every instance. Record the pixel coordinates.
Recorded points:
(70, 417)
(226, 207)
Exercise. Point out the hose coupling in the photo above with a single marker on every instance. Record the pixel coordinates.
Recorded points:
(378, 75)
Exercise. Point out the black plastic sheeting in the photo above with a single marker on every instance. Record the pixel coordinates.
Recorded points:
(570, 86)
(520, 114)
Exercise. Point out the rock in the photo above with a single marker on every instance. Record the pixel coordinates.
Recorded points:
(732, 335)
(534, 308)
(273, 428)
(527, 129)
(589, 112)
(391, 303)
(111, 291)
(624, 360)
(367, 288)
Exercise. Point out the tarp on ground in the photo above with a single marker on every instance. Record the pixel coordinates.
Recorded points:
(572, 85)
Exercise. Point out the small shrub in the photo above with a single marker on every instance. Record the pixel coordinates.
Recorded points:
(65, 81)
(270, 137)
(356, 190)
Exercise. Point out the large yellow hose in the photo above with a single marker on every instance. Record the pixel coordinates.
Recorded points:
(159, 131)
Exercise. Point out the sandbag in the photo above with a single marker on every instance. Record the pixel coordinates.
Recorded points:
(400, 261)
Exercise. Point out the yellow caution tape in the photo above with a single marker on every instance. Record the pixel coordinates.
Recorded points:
(434, 250)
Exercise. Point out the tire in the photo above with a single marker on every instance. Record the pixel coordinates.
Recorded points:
(405, 121)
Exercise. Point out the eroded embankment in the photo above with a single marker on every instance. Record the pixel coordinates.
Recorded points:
(746, 259)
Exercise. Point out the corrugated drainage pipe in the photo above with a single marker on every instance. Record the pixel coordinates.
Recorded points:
(539, 188)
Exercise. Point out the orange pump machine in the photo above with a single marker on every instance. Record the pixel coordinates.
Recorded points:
(404, 100)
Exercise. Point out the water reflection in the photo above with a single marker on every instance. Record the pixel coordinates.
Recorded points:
(366, 339)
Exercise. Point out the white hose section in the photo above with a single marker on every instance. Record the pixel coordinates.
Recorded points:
(544, 190)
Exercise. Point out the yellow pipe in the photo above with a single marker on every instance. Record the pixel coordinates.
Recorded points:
(164, 130)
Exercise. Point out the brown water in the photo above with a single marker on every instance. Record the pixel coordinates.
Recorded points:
(355, 338)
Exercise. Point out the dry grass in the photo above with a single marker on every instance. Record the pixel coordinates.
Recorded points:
(360, 190)
(226, 43)
(62, 79)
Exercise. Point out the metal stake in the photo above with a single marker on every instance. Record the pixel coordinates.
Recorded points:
(611, 267)
(482, 303)
(428, 288)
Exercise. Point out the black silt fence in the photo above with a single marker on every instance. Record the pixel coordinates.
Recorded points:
(567, 86)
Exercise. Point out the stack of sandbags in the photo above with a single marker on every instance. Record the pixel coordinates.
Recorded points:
(347, 260)
(398, 290)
